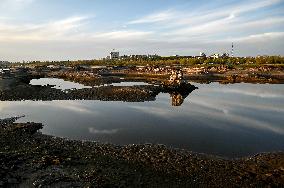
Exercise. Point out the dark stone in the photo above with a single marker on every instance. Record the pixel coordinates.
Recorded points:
(12, 181)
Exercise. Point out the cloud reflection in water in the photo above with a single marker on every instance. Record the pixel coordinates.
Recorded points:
(212, 118)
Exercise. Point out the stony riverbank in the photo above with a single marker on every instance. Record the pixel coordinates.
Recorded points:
(224, 78)
(105, 93)
(17, 89)
(31, 159)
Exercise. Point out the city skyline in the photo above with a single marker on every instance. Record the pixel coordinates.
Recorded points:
(81, 29)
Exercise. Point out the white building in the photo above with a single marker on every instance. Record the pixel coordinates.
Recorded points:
(114, 55)
(215, 56)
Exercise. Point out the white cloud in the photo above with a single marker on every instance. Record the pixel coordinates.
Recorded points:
(225, 25)
(203, 15)
(15, 4)
(162, 112)
(156, 17)
(123, 34)
(53, 30)
(73, 106)
(224, 111)
(185, 31)
(207, 24)
(205, 28)
(262, 37)
(72, 29)
(251, 92)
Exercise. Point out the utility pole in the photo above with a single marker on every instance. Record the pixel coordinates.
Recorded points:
(232, 52)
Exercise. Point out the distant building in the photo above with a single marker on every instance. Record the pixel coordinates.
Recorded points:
(7, 70)
(202, 54)
(215, 56)
(137, 56)
(114, 55)
(124, 57)
(225, 55)
(4, 63)
(175, 55)
(153, 56)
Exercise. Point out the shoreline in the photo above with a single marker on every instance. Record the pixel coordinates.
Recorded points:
(222, 78)
(30, 158)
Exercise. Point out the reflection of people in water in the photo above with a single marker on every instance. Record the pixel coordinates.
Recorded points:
(179, 94)
(178, 88)
(177, 99)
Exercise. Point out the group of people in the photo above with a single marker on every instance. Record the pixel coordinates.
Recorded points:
(176, 77)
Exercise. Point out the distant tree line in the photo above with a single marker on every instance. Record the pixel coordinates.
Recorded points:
(169, 61)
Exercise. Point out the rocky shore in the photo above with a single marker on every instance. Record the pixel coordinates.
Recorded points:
(31, 159)
(18, 88)
(104, 93)
(224, 78)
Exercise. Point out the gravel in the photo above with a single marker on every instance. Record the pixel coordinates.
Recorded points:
(31, 159)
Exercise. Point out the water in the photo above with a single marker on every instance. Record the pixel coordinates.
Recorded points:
(57, 83)
(227, 120)
(129, 84)
(66, 85)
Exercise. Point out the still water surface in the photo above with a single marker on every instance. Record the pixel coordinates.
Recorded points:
(57, 83)
(67, 85)
(228, 120)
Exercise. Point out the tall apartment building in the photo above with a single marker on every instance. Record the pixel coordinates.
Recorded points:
(114, 55)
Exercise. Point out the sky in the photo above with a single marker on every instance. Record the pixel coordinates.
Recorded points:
(89, 29)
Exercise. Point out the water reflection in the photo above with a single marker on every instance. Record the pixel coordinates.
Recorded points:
(180, 93)
(177, 99)
(48, 89)
(57, 83)
(128, 84)
(216, 119)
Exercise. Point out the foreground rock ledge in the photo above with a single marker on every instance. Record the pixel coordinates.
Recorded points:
(31, 159)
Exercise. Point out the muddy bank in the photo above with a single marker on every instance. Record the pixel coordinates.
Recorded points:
(29, 158)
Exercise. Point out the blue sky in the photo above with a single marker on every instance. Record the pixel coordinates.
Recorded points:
(88, 29)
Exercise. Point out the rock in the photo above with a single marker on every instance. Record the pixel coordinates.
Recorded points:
(12, 181)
